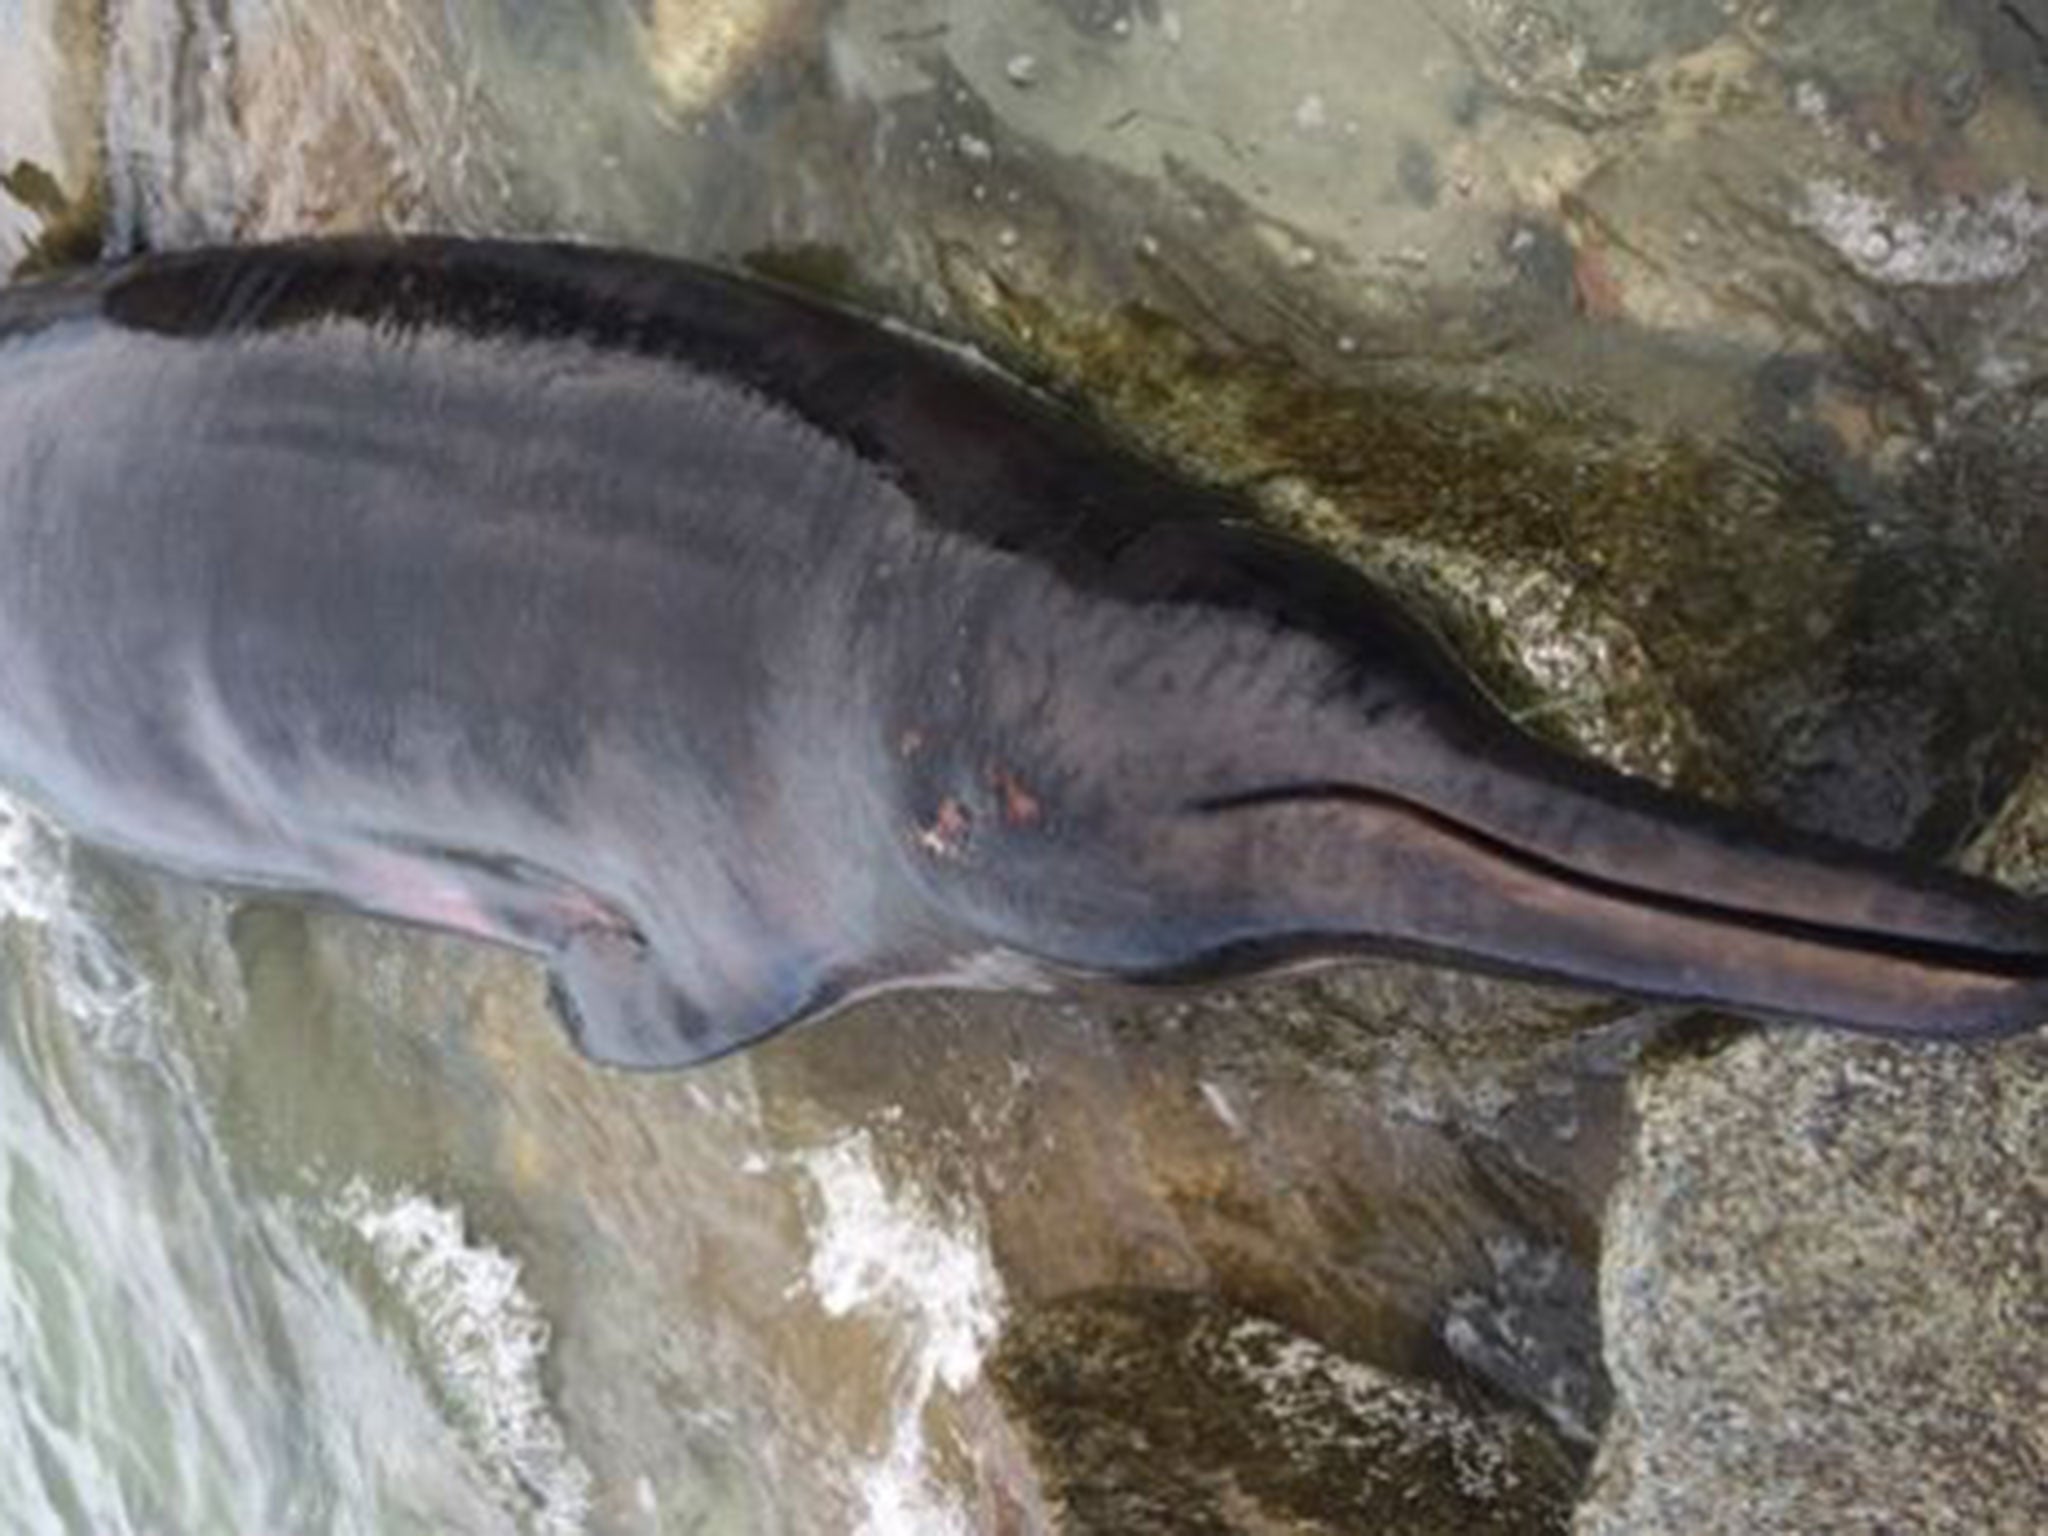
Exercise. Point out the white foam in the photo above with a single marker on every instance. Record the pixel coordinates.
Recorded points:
(1954, 243)
(485, 1343)
(96, 984)
(927, 1271)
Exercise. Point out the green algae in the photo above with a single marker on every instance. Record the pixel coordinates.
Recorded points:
(1618, 587)
(74, 228)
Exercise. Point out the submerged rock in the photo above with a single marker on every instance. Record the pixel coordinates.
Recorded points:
(699, 51)
(1164, 1414)
(51, 207)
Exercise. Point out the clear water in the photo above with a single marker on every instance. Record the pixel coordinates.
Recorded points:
(309, 1225)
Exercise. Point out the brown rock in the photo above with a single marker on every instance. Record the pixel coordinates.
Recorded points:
(1153, 1413)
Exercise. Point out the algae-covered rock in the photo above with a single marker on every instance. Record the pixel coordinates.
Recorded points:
(51, 208)
(1825, 1294)
(72, 227)
(1160, 1414)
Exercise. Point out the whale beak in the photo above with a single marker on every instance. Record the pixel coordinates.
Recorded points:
(1531, 863)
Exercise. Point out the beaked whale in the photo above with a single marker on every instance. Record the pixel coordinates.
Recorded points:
(741, 657)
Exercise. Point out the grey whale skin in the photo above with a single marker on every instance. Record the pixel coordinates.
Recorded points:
(741, 657)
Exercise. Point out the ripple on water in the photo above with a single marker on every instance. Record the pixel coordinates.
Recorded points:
(893, 1254)
(179, 1355)
(482, 1343)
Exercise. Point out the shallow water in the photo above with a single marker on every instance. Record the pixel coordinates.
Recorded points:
(186, 1358)
(312, 1225)
(247, 1290)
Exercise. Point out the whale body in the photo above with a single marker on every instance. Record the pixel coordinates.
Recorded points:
(741, 657)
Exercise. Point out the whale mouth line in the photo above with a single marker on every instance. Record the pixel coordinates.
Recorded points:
(1942, 954)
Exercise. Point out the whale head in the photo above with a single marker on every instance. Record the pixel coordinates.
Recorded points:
(1228, 753)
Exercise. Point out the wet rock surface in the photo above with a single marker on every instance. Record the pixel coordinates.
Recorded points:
(1163, 1414)
(1291, 1149)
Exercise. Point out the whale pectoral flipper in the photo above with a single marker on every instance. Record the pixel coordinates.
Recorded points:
(456, 891)
(622, 1009)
